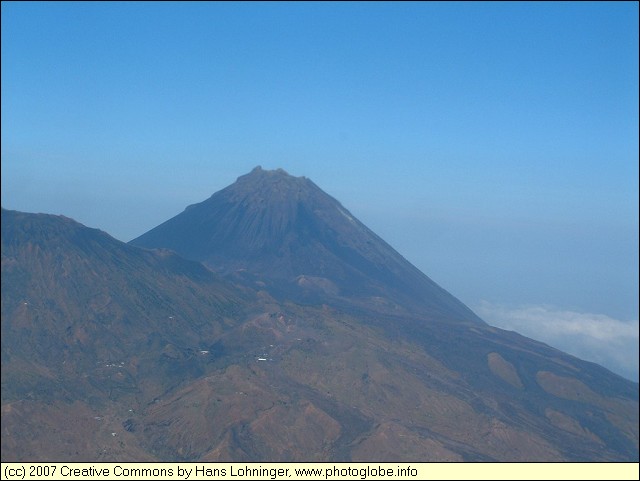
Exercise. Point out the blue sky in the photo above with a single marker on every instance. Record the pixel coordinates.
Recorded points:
(495, 145)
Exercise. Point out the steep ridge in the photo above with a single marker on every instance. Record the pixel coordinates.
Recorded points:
(286, 231)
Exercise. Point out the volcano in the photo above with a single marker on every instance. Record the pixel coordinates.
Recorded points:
(268, 324)
(287, 232)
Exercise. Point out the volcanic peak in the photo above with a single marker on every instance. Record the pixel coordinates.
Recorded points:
(287, 231)
(271, 184)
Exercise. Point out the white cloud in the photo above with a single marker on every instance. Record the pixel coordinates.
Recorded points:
(609, 342)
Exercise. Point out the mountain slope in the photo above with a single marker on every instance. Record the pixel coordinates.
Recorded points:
(285, 235)
(115, 353)
(286, 231)
(90, 322)
(96, 294)
(333, 387)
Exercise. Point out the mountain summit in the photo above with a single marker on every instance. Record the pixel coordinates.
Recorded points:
(289, 233)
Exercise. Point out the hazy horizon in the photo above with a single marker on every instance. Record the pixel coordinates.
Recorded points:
(495, 146)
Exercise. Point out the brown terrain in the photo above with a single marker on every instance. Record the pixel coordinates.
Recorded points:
(293, 333)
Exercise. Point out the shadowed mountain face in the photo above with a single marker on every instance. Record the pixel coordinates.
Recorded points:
(115, 353)
(304, 244)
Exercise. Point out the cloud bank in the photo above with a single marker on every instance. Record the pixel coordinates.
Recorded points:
(612, 343)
